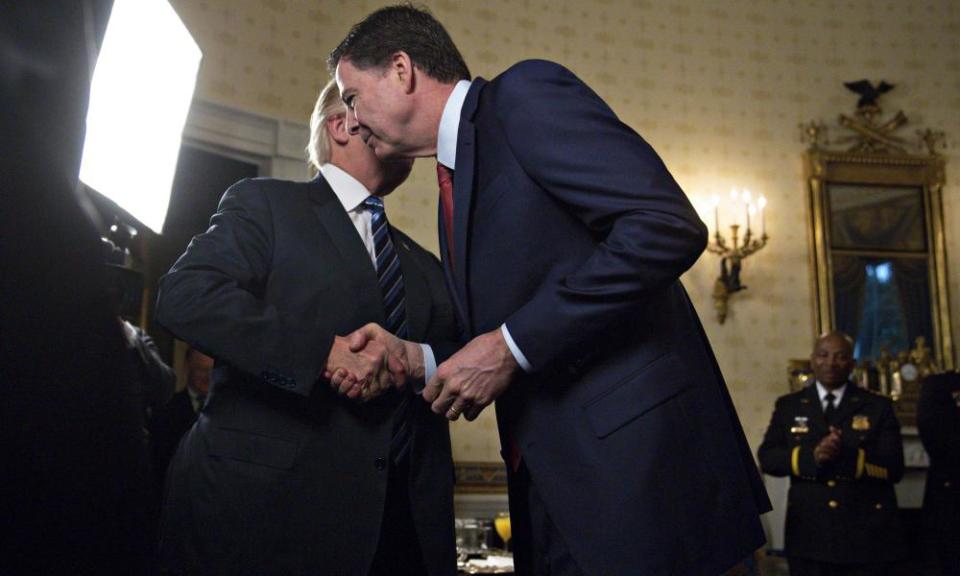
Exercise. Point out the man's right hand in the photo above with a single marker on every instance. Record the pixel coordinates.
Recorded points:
(410, 354)
(828, 448)
(363, 373)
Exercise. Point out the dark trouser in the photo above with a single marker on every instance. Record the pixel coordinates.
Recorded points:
(807, 567)
(398, 550)
(538, 547)
(945, 560)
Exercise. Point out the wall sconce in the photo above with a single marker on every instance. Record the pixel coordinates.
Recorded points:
(733, 254)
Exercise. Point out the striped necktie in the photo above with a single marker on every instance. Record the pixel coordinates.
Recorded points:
(390, 279)
(389, 276)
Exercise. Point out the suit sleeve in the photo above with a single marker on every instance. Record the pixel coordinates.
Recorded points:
(880, 458)
(780, 457)
(576, 149)
(213, 298)
(935, 420)
(159, 379)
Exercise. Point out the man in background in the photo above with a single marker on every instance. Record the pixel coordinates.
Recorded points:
(71, 436)
(938, 420)
(282, 474)
(563, 237)
(172, 420)
(841, 447)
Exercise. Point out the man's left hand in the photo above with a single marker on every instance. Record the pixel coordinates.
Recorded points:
(473, 378)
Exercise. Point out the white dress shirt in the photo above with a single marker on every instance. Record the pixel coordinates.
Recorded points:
(447, 155)
(351, 194)
(837, 395)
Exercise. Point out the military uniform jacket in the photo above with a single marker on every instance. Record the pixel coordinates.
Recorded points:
(938, 419)
(845, 511)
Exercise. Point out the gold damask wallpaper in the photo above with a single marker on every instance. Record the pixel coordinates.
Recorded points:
(718, 88)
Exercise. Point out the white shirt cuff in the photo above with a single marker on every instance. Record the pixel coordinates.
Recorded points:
(429, 368)
(515, 350)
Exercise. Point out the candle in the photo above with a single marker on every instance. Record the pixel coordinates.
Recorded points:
(716, 214)
(734, 196)
(763, 215)
(751, 210)
(746, 206)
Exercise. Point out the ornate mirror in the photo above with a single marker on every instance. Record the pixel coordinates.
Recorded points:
(877, 232)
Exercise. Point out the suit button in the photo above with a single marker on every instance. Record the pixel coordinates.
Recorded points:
(946, 484)
(878, 506)
(380, 464)
(833, 504)
(831, 483)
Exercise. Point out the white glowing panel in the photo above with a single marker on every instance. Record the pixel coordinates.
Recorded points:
(139, 99)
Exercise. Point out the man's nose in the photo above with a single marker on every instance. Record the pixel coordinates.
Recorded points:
(353, 126)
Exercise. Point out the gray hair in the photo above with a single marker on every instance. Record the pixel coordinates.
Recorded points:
(328, 104)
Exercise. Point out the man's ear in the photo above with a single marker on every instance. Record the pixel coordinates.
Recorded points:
(337, 128)
(401, 67)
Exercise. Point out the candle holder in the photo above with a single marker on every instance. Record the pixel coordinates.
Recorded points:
(732, 256)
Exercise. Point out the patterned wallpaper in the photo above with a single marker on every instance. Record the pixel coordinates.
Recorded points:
(718, 88)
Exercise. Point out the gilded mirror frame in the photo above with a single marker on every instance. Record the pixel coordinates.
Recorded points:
(823, 168)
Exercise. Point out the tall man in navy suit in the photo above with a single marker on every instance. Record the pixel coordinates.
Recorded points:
(563, 239)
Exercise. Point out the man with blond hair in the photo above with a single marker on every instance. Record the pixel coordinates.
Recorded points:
(284, 473)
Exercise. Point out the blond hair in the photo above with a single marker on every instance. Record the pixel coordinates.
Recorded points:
(328, 104)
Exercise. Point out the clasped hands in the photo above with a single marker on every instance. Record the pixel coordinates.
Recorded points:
(829, 447)
(369, 361)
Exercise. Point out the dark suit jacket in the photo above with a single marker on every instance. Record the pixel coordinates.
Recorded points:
(568, 227)
(280, 475)
(938, 420)
(167, 426)
(845, 512)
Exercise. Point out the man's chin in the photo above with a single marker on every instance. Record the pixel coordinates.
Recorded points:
(385, 153)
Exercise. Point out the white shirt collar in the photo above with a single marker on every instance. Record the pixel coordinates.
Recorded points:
(195, 399)
(837, 394)
(348, 189)
(450, 125)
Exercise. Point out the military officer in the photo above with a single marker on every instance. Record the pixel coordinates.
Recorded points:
(938, 418)
(842, 449)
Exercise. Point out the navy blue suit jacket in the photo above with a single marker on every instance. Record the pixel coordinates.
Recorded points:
(569, 228)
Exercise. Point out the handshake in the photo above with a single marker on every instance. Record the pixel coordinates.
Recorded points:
(367, 362)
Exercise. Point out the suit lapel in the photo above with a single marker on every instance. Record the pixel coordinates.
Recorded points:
(851, 402)
(355, 265)
(463, 202)
(417, 299)
(813, 410)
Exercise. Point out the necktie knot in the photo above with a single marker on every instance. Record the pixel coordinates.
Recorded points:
(444, 175)
(830, 398)
(374, 204)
